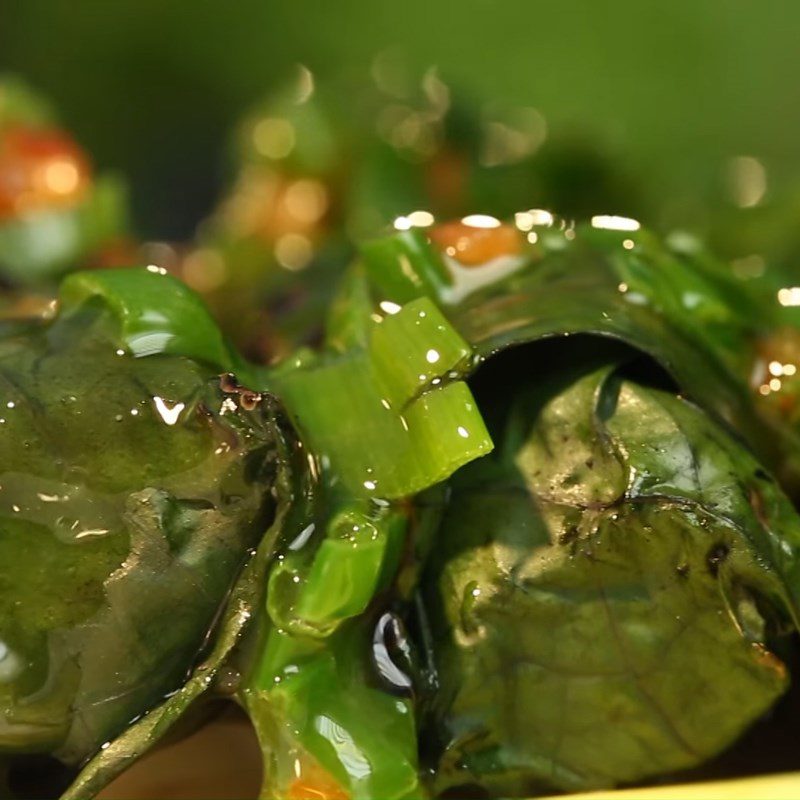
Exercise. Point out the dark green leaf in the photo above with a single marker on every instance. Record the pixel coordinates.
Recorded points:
(605, 596)
(134, 491)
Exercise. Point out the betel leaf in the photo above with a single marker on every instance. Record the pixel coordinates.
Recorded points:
(607, 594)
(145, 733)
(133, 493)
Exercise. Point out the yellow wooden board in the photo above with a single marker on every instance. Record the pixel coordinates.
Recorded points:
(767, 787)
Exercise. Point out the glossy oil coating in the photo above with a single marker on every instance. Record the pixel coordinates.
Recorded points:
(131, 492)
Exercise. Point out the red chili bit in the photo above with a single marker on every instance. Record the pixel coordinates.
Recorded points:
(40, 169)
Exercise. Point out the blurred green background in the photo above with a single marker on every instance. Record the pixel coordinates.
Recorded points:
(674, 89)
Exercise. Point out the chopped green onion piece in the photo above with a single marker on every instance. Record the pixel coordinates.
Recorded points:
(449, 430)
(281, 650)
(156, 312)
(342, 580)
(312, 595)
(383, 434)
(337, 409)
(414, 347)
(365, 737)
(405, 266)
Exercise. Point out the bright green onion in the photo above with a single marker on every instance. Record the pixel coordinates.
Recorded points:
(342, 579)
(383, 418)
(449, 429)
(181, 325)
(405, 266)
(415, 347)
(311, 594)
(365, 737)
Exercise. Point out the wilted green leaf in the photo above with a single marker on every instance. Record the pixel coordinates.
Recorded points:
(607, 594)
(132, 493)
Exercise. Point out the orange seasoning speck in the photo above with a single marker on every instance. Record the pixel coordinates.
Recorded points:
(475, 246)
(316, 783)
